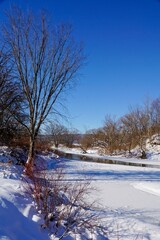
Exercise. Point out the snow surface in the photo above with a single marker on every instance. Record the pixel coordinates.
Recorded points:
(17, 212)
(129, 198)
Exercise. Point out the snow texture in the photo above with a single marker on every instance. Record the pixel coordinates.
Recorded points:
(128, 196)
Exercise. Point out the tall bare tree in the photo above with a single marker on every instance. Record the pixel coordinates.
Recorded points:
(46, 59)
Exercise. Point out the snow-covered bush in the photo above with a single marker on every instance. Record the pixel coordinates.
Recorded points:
(63, 205)
(155, 139)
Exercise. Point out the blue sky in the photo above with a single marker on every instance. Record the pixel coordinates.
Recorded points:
(122, 41)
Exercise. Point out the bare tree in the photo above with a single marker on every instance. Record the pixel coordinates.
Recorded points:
(57, 133)
(111, 132)
(129, 131)
(87, 141)
(46, 59)
(155, 115)
(71, 137)
(136, 124)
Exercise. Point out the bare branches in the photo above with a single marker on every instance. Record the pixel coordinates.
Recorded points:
(64, 205)
(11, 101)
(46, 60)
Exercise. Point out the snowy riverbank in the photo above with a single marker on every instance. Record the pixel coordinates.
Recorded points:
(129, 197)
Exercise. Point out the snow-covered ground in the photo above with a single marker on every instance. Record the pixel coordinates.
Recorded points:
(128, 196)
(18, 217)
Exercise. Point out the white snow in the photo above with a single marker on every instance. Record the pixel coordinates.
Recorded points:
(128, 196)
(17, 211)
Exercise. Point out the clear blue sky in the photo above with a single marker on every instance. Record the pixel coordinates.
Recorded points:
(122, 41)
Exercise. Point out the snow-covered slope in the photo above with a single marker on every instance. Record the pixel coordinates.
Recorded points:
(18, 219)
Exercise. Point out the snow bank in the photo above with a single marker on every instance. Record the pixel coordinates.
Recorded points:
(18, 219)
(149, 187)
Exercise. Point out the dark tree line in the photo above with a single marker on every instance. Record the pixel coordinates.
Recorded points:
(11, 102)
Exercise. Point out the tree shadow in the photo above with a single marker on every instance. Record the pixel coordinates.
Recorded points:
(71, 168)
(14, 225)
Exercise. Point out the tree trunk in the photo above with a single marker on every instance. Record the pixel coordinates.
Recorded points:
(30, 160)
(56, 145)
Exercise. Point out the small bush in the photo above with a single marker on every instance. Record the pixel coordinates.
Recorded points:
(63, 204)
